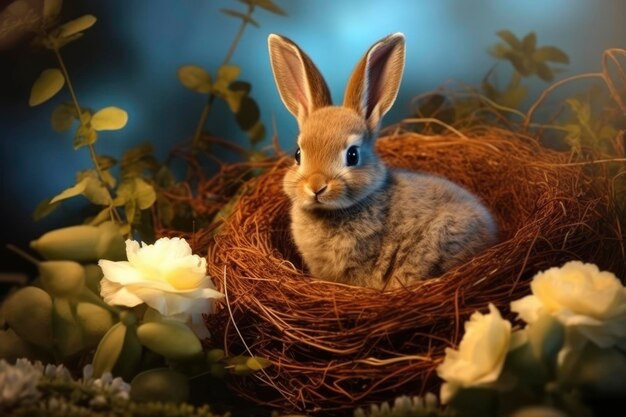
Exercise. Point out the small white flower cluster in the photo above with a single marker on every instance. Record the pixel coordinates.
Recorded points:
(108, 388)
(590, 304)
(18, 383)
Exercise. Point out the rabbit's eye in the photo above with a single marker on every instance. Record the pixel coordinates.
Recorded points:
(352, 156)
(297, 156)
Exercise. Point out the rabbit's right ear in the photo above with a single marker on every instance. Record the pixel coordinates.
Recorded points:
(299, 82)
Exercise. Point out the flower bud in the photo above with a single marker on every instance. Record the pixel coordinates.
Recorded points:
(93, 275)
(68, 338)
(62, 278)
(169, 338)
(13, 347)
(29, 313)
(95, 322)
(161, 384)
(83, 243)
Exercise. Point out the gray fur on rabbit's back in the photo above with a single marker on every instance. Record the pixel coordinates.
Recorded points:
(414, 227)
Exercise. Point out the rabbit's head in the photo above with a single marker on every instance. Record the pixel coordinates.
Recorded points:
(335, 162)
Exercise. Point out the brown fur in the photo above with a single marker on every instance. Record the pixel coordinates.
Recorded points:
(367, 224)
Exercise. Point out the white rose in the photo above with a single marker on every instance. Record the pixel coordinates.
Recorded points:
(480, 356)
(165, 276)
(586, 300)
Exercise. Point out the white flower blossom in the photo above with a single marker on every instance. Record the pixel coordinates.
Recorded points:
(589, 302)
(166, 276)
(480, 356)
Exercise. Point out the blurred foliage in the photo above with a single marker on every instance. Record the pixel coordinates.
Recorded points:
(590, 123)
(138, 192)
(526, 60)
(225, 85)
(427, 406)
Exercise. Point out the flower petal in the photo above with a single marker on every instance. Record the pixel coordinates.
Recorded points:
(116, 294)
(121, 272)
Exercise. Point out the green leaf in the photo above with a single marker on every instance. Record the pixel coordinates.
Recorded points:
(195, 78)
(144, 194)
(62, 118)
(544, 72)
(139, 190)
(499, 51)
(169, 338)
(109, 350)
(85, 135)
(136, 153)
(517, 60)
(77, 25)
(130, 211)
(108, 178)
(51, 9)
(102, 216)
(240, 86)
(248, 114)
(581, 109)
(546, 337)
(43, 209)
(165, 210)
(550, 53)
(48, 84)
(225, 75)
(215, 355)
(233, 99)
(129, 361)
(109, 118)
(529, 43)
(510, 38)
(96, 192)
(137, 160)
(256, 133)
(61, 42)
(268, 5)
(105, 161)
(256, 363)
(574, 136)
(239, 15)
(73, 191)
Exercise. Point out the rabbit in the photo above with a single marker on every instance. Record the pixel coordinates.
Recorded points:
(354, 220)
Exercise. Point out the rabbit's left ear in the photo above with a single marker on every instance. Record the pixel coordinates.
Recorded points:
(375, 81)
(300, 84)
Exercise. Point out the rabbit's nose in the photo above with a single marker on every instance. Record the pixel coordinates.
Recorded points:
(317, 184)
(320, 190)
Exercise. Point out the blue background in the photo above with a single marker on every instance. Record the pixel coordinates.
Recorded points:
(130, 56)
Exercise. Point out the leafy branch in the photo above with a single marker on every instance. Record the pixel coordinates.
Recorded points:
(98, 185)
(226, 86)
(527, 60)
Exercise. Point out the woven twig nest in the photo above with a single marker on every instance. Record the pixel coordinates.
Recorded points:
(334, 346)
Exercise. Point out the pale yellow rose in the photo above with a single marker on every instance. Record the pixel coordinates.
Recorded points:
(586, 300)
(480, 356)
(166, 276)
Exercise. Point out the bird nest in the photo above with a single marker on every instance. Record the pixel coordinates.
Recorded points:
(335, 346)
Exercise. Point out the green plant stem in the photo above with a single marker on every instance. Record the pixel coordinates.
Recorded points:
(23, 254)
(92, 150)
(211, 98)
